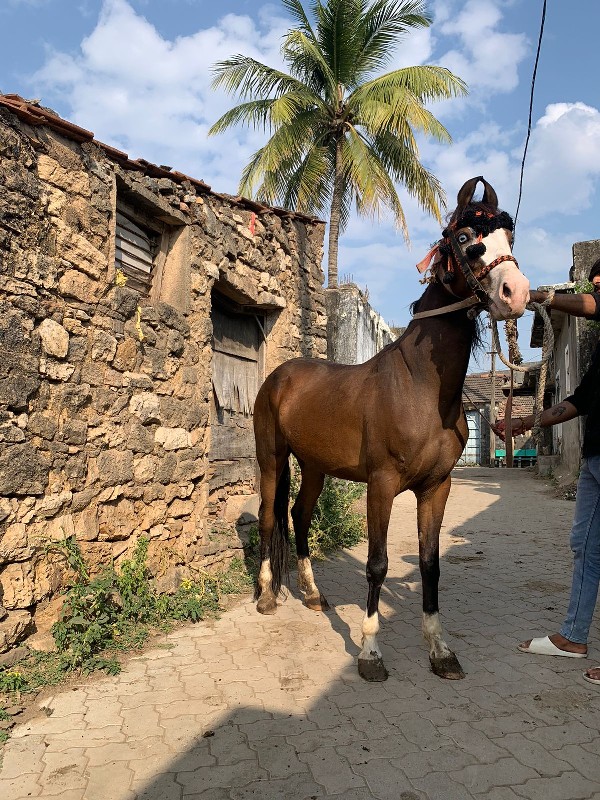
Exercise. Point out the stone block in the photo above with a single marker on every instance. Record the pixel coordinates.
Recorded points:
(41, 425)
(51, 504)
(76, 249)
(26, 583)
(76, 284)
(23, 470)
(114, 467)
(146, 406)
(172, 438)
(54, 338)
(14, 628)
(116, 521)
(181, 508)
(14, 544)
(11, 434)
(69, 180)
(126, 355)
(242, 506)
(85, 524)
(104, 346)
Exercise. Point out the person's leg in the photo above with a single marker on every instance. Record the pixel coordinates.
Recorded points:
(585, 544)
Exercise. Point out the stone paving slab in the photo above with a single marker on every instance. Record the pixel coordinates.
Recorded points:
(272, 707)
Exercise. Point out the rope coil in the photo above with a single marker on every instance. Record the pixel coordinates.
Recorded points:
(547, 349)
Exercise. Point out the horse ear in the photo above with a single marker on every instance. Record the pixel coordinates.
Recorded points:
(490, 198)
(465, 195)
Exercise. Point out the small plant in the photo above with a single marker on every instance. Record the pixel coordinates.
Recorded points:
(586, 287)
(12, 681)
(117, 610)
(334, 522)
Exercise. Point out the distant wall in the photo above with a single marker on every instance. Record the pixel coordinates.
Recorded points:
(355, 331)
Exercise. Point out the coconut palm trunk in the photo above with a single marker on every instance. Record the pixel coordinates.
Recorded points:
(334, 218)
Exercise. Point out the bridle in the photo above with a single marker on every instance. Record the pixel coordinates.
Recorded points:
(479, 299)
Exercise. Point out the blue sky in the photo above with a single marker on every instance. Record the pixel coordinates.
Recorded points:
(137, 73)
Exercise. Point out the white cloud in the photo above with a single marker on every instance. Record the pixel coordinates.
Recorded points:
(152, 97)
(486, 58)
(563, 164)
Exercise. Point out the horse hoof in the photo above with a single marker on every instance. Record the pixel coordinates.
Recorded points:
(316, 603)
(447, 667)
(372, 669)
(266, 605)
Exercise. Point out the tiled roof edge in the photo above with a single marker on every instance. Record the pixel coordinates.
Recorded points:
(35, 115)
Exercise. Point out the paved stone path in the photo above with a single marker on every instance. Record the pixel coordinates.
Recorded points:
(272, 707)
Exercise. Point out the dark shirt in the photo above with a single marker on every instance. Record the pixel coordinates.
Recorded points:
(586, 398)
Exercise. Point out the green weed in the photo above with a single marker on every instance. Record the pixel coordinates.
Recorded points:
(334, 523)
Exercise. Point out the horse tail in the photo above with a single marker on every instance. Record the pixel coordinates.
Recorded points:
(279, 549)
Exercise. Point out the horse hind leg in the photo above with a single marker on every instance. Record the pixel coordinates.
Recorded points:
(310, 488)
(273, 528)
(380, 496)
(430, 512)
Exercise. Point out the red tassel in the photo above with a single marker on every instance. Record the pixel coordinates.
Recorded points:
(425, 262)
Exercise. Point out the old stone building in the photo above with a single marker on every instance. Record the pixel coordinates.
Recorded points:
(140, 311)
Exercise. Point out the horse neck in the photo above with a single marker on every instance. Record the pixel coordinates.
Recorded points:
(437, 349)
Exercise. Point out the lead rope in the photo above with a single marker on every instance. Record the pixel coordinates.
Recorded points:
(514, 355)
(547, 349)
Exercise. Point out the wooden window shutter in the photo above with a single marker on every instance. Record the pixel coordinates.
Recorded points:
(135, 251)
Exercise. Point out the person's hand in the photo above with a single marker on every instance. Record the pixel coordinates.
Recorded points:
(536, 297)
(517, 428)
(500, 430)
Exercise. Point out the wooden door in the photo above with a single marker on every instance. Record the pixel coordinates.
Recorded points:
(236, 377)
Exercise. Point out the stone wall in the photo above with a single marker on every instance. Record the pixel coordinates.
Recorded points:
(105, 396)
(584, 255)
(355, 331)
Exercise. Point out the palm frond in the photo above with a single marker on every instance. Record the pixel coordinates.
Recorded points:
(309, 188)
(404, 167)
(256, 113)
(372, 185)
(247, 77)
(426, 83)
(271, 166)
(308, 64)
(385, 23)
(338, 34)
(399, 116)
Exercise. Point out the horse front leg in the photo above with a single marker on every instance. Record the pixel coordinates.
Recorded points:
(380, 496)
(430, 512)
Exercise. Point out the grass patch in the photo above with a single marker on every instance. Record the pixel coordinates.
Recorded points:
(113, 613)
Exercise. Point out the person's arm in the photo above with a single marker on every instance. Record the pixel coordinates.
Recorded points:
(561, 412)
(578, 305)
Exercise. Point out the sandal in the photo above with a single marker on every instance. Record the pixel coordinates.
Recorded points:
(587, 678)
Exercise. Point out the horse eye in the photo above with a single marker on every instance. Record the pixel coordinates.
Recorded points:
(462, 238)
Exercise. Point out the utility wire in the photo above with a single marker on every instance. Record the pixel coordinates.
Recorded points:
(537, 57)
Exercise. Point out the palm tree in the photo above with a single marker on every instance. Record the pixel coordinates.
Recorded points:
(339, 131)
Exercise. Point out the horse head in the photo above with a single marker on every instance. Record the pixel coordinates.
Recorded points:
(476, 250)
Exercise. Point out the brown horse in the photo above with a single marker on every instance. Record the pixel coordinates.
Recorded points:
(395, 422)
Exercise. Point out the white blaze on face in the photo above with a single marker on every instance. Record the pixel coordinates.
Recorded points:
(506, 285)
